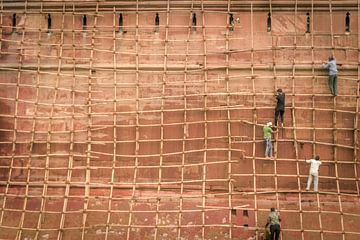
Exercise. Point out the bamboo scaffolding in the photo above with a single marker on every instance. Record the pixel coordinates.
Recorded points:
(94, 161)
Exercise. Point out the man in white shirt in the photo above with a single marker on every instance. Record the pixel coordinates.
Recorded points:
(313, 173)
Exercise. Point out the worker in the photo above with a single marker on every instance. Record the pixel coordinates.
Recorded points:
(267, 139)
(313, 173)
(274, 221)
(280, 107)
(332, 68)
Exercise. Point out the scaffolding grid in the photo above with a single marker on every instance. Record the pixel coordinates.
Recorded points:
(116, 125)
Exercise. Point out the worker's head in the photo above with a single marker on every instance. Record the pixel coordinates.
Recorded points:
(331, 58)
(279, 90)
(269, 124)
(317, 158)
(272, 209)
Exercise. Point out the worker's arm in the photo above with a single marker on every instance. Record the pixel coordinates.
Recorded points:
(308, 160)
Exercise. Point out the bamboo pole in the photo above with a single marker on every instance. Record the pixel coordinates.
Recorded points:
(14, 132)
(92, 34)
(356, 121)
(275, 80)
(70, 165)
(185, 128)
(228, 126)
(22, 218)
(254, 117)
(294, 123)
(137, 144)
(335, 136)
(205, 155)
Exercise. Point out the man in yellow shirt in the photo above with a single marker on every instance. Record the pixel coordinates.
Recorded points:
(267, 139)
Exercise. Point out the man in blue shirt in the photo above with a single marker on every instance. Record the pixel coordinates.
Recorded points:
(331, 66)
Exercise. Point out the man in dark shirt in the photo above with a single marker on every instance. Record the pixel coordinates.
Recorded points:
(280, 107)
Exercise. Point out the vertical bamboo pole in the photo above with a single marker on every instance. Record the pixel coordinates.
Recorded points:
(114, 113)
(72, 132)
(314, 113)
(203, 213)
(16, 110)
(335, 131)
(137, 143)
(42, 214)
(163, 96)
(228, 125)
(356, 120)
(1, 24)
(185, 126)
(293, 107)
(89, 122)
(256, 210)
(274, 47)
(31, 144)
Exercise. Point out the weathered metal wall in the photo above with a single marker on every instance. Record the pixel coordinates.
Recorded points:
(156, 132)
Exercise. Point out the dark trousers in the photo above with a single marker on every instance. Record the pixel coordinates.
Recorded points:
(277, 113)
(333, 84)
(274, 231)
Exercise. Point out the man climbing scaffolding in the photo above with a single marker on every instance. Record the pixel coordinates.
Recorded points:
(332, 67)
(313, 173)
(274, 222)
(280, 107)
(267, 139)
